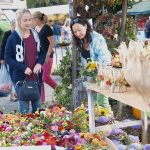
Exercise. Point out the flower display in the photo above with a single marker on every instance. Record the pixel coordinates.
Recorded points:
(49, 126)
(57, 126)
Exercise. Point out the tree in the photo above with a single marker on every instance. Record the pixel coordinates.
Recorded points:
(44, 3)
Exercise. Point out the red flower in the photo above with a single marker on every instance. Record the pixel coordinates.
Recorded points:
(60, 128)
(108, 82)
(46, 135)
(30, 116)
(39, 142)
(1, 128)
(51, 141)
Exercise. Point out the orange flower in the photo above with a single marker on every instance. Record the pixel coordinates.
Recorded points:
(87, 136)
(56, 109)
(77, 147)
(95, 141)
(103, 143)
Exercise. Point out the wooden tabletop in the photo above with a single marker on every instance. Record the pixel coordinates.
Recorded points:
(131, 97)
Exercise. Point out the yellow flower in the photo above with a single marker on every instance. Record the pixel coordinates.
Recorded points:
(1, 122)
(103, 112)
(77, 147)
(93, 66)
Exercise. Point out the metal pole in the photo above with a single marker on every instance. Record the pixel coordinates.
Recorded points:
(123, 22)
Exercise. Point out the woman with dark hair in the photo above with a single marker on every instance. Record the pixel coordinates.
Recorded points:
(47, 40)
(92, 45)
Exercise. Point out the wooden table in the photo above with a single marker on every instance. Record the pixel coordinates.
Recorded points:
(131, 98)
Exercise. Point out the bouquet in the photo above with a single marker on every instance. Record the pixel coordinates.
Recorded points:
(90, 70)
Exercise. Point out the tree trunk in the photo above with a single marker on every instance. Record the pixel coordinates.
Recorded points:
(123, 22)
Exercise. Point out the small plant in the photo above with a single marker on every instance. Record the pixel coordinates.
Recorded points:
(63, 91)
(90, 70)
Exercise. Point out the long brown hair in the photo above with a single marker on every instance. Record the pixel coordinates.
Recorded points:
(40, 16)
(83, 22)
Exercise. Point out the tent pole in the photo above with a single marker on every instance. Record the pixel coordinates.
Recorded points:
(123, 22)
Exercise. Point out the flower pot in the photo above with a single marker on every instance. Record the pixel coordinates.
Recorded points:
(136, 113)
(103, 85)
(114, 88)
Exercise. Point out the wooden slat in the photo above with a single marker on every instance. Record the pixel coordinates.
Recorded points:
(131, 97)
(119, 125)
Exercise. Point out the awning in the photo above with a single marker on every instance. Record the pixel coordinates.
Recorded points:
(51, 10)
(140, 8)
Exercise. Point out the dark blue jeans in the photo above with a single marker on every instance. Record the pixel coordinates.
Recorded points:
(24, 105)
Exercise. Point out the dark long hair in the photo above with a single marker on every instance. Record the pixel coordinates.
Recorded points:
(83, 22)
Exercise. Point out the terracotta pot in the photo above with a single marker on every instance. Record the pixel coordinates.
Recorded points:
(136, 113)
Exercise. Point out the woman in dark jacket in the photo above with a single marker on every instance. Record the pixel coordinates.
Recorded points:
(23, 53)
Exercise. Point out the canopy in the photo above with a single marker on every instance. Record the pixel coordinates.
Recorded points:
(140, 8)
(53, 12)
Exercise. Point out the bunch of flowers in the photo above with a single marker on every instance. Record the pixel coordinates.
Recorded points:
(80, 118)
(90, 70)
(94, 141)
(124, 141)
(112, 79)
(108, 25)
(103, 115)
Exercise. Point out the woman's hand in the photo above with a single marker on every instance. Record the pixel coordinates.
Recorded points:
(37, 68)
(2, 61)
(28, 71)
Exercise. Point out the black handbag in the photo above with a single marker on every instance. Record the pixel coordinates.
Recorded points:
(28, 90)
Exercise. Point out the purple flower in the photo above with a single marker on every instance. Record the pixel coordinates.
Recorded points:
(134, 139)
(116, 142)
(136, 146)
(136, 127)
(146, 147)
(102, 119)
(121, 147)
(116, 131)
(10, 129)
(81, 141)
(23, 123)
(76, 137)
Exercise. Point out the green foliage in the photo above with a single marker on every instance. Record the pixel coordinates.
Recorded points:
(45, 3)
(130, 29)
(4, 26)
(63, 91)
